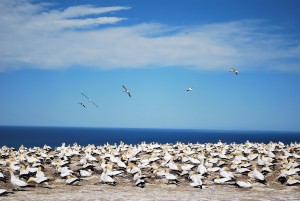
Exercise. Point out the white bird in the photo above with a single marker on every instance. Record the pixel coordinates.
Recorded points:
(292, 182)
(189, 89)
(244, 184)
(223, 180)
(90, 100)
(233, 70)
(4, 192)
(126, 91)
(2, 178)
(105, 178)
(259, 176)
(72, 181)
(196, 180)
(16, 182)
(85, 173)
(38, 180)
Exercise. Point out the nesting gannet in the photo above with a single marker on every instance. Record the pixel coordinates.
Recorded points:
(292, 182)
(105, 178)
(244, 184)
(90, 100)
(219, 180)
(189, 89)
(139, 179)
(16, 182)
(172, 166)
(4, 192)
(282, 178)
(38, 180)
(241, 170)
(72, 180)
(2, 178)
(224, 172)
(201, 169)
(140, 183)
(233, 70)
(196, 180)
(258, 176)
(85, 173)
(171, 177)
(126, 91)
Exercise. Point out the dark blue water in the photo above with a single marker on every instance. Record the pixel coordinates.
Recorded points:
(38, 136)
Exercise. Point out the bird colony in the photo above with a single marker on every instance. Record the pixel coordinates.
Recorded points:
(196, 165)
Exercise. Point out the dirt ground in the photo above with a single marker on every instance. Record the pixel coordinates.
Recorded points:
(160, 191)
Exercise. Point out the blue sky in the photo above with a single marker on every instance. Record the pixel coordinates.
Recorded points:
(51, 51)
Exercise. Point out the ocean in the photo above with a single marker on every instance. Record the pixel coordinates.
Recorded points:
(15, 136)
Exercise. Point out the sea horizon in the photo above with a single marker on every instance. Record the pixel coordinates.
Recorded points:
(15, 136)
(156, 128)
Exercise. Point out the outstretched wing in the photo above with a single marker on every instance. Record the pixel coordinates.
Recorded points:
(125, 88)
(85, 96)
(129, 94)
(95, 104)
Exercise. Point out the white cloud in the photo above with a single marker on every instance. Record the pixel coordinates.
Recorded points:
(31, 35)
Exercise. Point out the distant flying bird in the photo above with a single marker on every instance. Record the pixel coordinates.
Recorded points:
(89, 100)
(82, 104)
(126, 91)
(233, 70)
(189, 89)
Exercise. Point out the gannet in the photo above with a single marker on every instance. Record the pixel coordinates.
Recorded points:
(126, 91)
(224, 172)
(241, 170)
(233, 70)
(257, 175)
(82, 104)
(4, 192)
(292, 182)
(85, 173)
(38, 180)
(2, 178)
(171, 177)
(282, 178)
(189, 89)
(219, 180)
(90, 100)
(72, 180)
(105, 178)
(140, 183)
(16, 182)
(196, 180)
(244, 184)
(172, 166)
(201, 168)
(139, 179)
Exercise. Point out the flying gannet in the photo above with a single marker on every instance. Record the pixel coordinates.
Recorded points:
(233, 70)
(82, 104)
(126, 91)
(189, 89)
(90, 100)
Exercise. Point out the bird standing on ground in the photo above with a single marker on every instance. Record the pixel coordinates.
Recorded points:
(126, 91)
(16, 182)
(90, 100)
